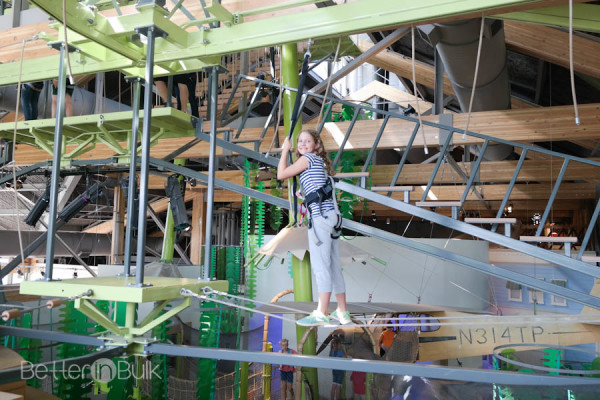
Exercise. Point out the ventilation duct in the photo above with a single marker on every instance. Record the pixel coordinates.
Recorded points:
(83, 101)
(457, 43)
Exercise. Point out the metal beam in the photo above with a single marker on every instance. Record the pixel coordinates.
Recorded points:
(486, 268)
(267, 198)
(359, 16)
(472, 230)
(377, 367)
(161, 226)
(358, 61)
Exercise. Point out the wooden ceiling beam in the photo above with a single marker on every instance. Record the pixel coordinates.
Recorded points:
(552, 45)
(525, 125)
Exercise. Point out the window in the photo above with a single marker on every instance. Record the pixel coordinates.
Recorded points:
(536, 296)
(557, 300)
(514, 291)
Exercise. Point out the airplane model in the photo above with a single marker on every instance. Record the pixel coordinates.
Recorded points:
(432, 333)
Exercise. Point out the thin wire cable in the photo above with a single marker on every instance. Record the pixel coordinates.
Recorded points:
(460, 320)
(414, 82)
(571, 70)
(64, 16)
(337, 50)
(14, 149)
(475, 76)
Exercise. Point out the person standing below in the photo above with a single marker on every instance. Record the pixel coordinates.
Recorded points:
(30, 96)
(386, 339)
(338, 374)
(287, 372)
(359, 387)
(314, 168)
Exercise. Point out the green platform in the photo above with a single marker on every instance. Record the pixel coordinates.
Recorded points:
(111, 129)
(118, 289)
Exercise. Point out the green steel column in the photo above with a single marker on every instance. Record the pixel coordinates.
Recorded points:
(244, 381)
(300, 268)
(168, 248)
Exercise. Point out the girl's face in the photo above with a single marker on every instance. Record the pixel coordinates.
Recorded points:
(306, 143)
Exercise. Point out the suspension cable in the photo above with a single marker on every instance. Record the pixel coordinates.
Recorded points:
(475, 77)
(415, 321)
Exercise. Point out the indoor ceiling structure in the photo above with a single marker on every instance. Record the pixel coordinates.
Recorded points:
(524, 58)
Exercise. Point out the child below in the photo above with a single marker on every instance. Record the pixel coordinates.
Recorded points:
(313, 167)
(287, 372)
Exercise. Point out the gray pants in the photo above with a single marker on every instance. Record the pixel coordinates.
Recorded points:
(325, 258)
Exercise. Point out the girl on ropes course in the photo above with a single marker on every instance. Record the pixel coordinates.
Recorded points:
(314, 169)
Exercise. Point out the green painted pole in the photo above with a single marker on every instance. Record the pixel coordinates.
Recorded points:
(168, 249)
(300, 268)
(244, 381)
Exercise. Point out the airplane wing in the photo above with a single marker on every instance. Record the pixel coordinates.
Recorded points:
(363, 308)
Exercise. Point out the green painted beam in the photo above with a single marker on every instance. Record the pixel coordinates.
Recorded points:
(586, 17)
(114, 33)
(220, 12)
(117, 288)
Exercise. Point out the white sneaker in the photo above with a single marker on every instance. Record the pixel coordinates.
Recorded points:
(343, 317)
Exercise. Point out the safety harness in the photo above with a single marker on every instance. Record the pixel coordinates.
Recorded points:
(325, 192)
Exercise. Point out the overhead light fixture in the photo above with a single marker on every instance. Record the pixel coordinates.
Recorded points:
(39, 207)
(90, 194)
(373, 216)
(387, 221)
(509, 208)
(174, 191)
(536, 218)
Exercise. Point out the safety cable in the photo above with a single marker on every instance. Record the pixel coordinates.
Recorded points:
(475, 77)
(14, 144)
(367, 322)
(53, 303)
(189, 293)
(414, 82)
(64, 16)
(571, 70)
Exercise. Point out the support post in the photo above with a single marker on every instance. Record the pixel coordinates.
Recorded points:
(300, 268)
(132, 186)
(55, 178)
(145, 157)
(214, 74)
(198, 226)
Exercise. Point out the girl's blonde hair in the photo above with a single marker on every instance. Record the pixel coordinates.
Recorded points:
(319, 149)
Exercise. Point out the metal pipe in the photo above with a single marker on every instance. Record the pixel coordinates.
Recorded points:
(590, 230)
(55, 178)
(132, 186)
(145, 165)
(211, 172)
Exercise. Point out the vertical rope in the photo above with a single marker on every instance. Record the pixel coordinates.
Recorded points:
(14, 148)
(64, 16)
(571, 71)
(475, 76)
(414, 82)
